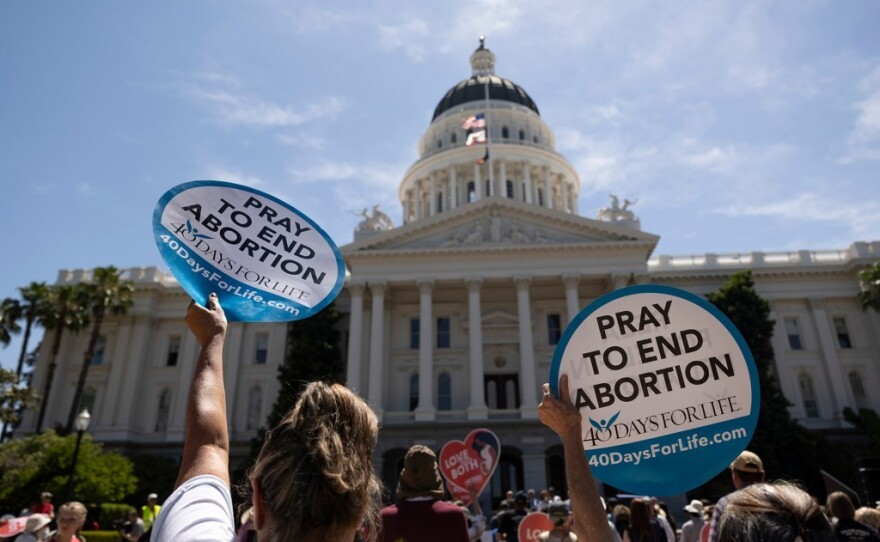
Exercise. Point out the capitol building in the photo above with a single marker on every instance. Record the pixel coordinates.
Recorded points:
(450, 319)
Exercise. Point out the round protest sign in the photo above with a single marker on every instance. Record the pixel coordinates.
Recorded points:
(266, 261)
(531, 526)
(666, 387)
(469, 463)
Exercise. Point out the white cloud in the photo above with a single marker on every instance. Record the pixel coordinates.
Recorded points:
(407, 35)
(221, 173)
(303, 141)
(221, 96)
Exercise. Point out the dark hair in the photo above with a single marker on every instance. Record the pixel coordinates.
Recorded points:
(779, 512)
(316, 467)
(750, 477)
(640, 519)
(840, 506)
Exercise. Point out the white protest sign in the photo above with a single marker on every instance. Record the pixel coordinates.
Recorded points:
(266, 261)
(666, 386)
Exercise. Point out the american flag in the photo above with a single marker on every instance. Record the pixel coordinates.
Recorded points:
(474, 138)
(475, 121)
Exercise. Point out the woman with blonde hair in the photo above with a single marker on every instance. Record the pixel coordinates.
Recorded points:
(71, 518)
(313, 479)
(779, 512)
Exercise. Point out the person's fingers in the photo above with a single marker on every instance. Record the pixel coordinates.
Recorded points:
(563, 390)
(546, 389)
(212, 303)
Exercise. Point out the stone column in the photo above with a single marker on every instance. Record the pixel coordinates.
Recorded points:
(425, 411)
(189, 352)
(548, 197)
(418, 198)
(619, 281)
(355, 336)
(564, 187)
(407, 206)
(527, 180)
(528, 389)
(120, 365)
(132, 392)
(377, 348)
(574, 201)
(232, 356)
(502, 181)
(572, 303)
(828, 347)
(478, 185)
(477, 409)
(453, 189)
(432, 204)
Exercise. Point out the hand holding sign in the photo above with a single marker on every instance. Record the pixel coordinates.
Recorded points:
(469, 463)
(665, 385)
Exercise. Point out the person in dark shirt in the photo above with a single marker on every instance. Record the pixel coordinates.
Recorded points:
(510, 520)
(846, 528)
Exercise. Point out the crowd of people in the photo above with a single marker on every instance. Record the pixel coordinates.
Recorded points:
(314, 481)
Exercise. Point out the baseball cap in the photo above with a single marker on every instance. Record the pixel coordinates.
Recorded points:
(748, 462)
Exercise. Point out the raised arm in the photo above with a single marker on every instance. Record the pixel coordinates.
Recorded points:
(206, 447)
(562, 417)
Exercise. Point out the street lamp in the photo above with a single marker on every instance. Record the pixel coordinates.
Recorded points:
(81, 424)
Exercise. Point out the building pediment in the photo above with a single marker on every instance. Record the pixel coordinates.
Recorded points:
(497, 223)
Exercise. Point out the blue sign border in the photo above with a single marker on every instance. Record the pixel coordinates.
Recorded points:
(235, 310)
(668, 475)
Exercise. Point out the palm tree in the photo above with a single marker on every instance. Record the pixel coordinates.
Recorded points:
(33, 309)
(68, 310)
(10, 314)
(107, 292)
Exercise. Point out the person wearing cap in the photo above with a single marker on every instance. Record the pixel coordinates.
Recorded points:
(419, 514)
(746, 469)
(559, 515)
(690, 531)
(508, 523)
(150, 510)
(36, 529)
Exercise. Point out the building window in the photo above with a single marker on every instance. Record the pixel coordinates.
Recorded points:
(414, 333)
(98, 353)
(522, 135)
(535, 139)
(523, 191)
(444, 392)
(505, 132)
(808, 395)
(471, 192)
(440, 202)
(509, 186)
(453, 138)
(443, 332)
(540, 197)
(554, 329)
(261, 350)
(858, 390)
(163, 410)
(413, 392)
(488, 188)
(842, 333)
(173, 351)
(793, 331)
(87, 402)
(502, 391)
(255, 406)
(439, 143)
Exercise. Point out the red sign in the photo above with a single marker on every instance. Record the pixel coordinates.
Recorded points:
(12, 527)
(533, 525)
(470, 463)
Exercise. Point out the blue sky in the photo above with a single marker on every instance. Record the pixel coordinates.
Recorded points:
(738, 125)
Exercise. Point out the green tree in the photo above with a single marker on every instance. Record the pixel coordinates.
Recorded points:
(787, 449)
(312, 353)
(34, 300)
(42, 462)
(13, 396)
(870, 283)
(107, 293)
(66, 311)
(10, 313)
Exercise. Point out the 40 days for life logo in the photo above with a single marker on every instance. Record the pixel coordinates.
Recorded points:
(666, 387)
(266, 261)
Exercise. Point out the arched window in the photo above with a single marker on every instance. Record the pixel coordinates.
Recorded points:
(509, 186)
(522, 135)
(808, 395)
(858, 390)
(163, 410)
(87, 402)
(505, 132)
(439, 143)
(444, 392)
(471, 192)
(540, 197)
(535, 139)
(488, 188)
(98, 352)
(413, 392)
(453, 138)
(440, 202)
(255, 406)
(492, 394)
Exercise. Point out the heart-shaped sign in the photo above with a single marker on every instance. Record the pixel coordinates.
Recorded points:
(470, 463)
(12, 526)
(533, 525)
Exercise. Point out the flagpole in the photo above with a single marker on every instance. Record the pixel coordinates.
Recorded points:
(489, 139)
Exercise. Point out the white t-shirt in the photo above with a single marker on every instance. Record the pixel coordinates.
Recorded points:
(200, 510)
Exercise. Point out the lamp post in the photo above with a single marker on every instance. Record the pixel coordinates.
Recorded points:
(81, 424)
